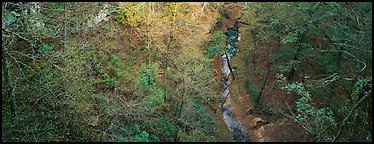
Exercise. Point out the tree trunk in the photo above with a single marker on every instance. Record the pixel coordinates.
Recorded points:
(263, 86)
(292, 71)
(167, 49)
(225, 99)
(176, 138)
(269, 62)
(202, 9)
(293, 68)
(10, 90)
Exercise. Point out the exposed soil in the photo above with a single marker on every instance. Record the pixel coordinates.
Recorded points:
(261, 126)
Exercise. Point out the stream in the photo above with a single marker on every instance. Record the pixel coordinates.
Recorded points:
(237, 130)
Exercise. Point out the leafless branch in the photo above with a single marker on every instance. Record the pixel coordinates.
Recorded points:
(289, 108)
(326, 80)
(352, 47)
(355, 58)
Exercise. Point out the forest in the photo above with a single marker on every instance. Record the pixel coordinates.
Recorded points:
(187, 71)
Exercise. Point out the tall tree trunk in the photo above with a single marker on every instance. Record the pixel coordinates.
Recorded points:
(269, 62)
(167, 49)
(10, 90)
(257, 100)
(293, 68)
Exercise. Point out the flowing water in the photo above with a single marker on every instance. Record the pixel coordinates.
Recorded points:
(237, 130)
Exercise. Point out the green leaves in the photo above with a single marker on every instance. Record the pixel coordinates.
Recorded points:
(291, 37)
(46, 49)
(361, 85)
(142, 137)
(145, 137)
(146, 74)
(280, 78)
(10, 17)
(216, 46)
(135, 129)
(121, 139)
(326, 64)
(315, 121)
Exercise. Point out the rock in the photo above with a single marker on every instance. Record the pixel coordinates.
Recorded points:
(249, 111)
(94, 121)
(255, 122)
(102, 15)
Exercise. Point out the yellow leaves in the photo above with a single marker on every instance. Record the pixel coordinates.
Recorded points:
(125, 32)
(173, 9)
(191, 53)
(134, 13)
(178, 29)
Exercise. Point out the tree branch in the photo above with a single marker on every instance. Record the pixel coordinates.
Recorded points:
(355, 58)
(350, 113)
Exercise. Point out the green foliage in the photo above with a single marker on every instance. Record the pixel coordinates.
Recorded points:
(247, 86)
(107, 27)
(361, 84)
(121, 139)
(316, 121)
(291, 37)
(10, 17)
(205, 121)
(60, 87)
(46, 49)
(292, 64)
(168, 129)
(254, 93)
(135, 129)
(216, 46)
(325, 38)
(195, 136)
(142, 137)
(357, 125)
(121, 16)
(326, 64)
(146, 77)
(111, 68)
(279, 78)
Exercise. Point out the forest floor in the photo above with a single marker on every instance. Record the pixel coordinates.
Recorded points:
(261, 126)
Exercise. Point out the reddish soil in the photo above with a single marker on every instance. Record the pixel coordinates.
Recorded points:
(261, 126)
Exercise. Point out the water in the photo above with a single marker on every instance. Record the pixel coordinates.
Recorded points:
(237, 130)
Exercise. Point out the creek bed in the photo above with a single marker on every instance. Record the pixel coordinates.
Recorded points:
(236, 128)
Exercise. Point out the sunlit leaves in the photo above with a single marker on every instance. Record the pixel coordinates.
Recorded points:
(133, 13)
(291, 37)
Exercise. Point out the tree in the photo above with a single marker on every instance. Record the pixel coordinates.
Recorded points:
(317, 34)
